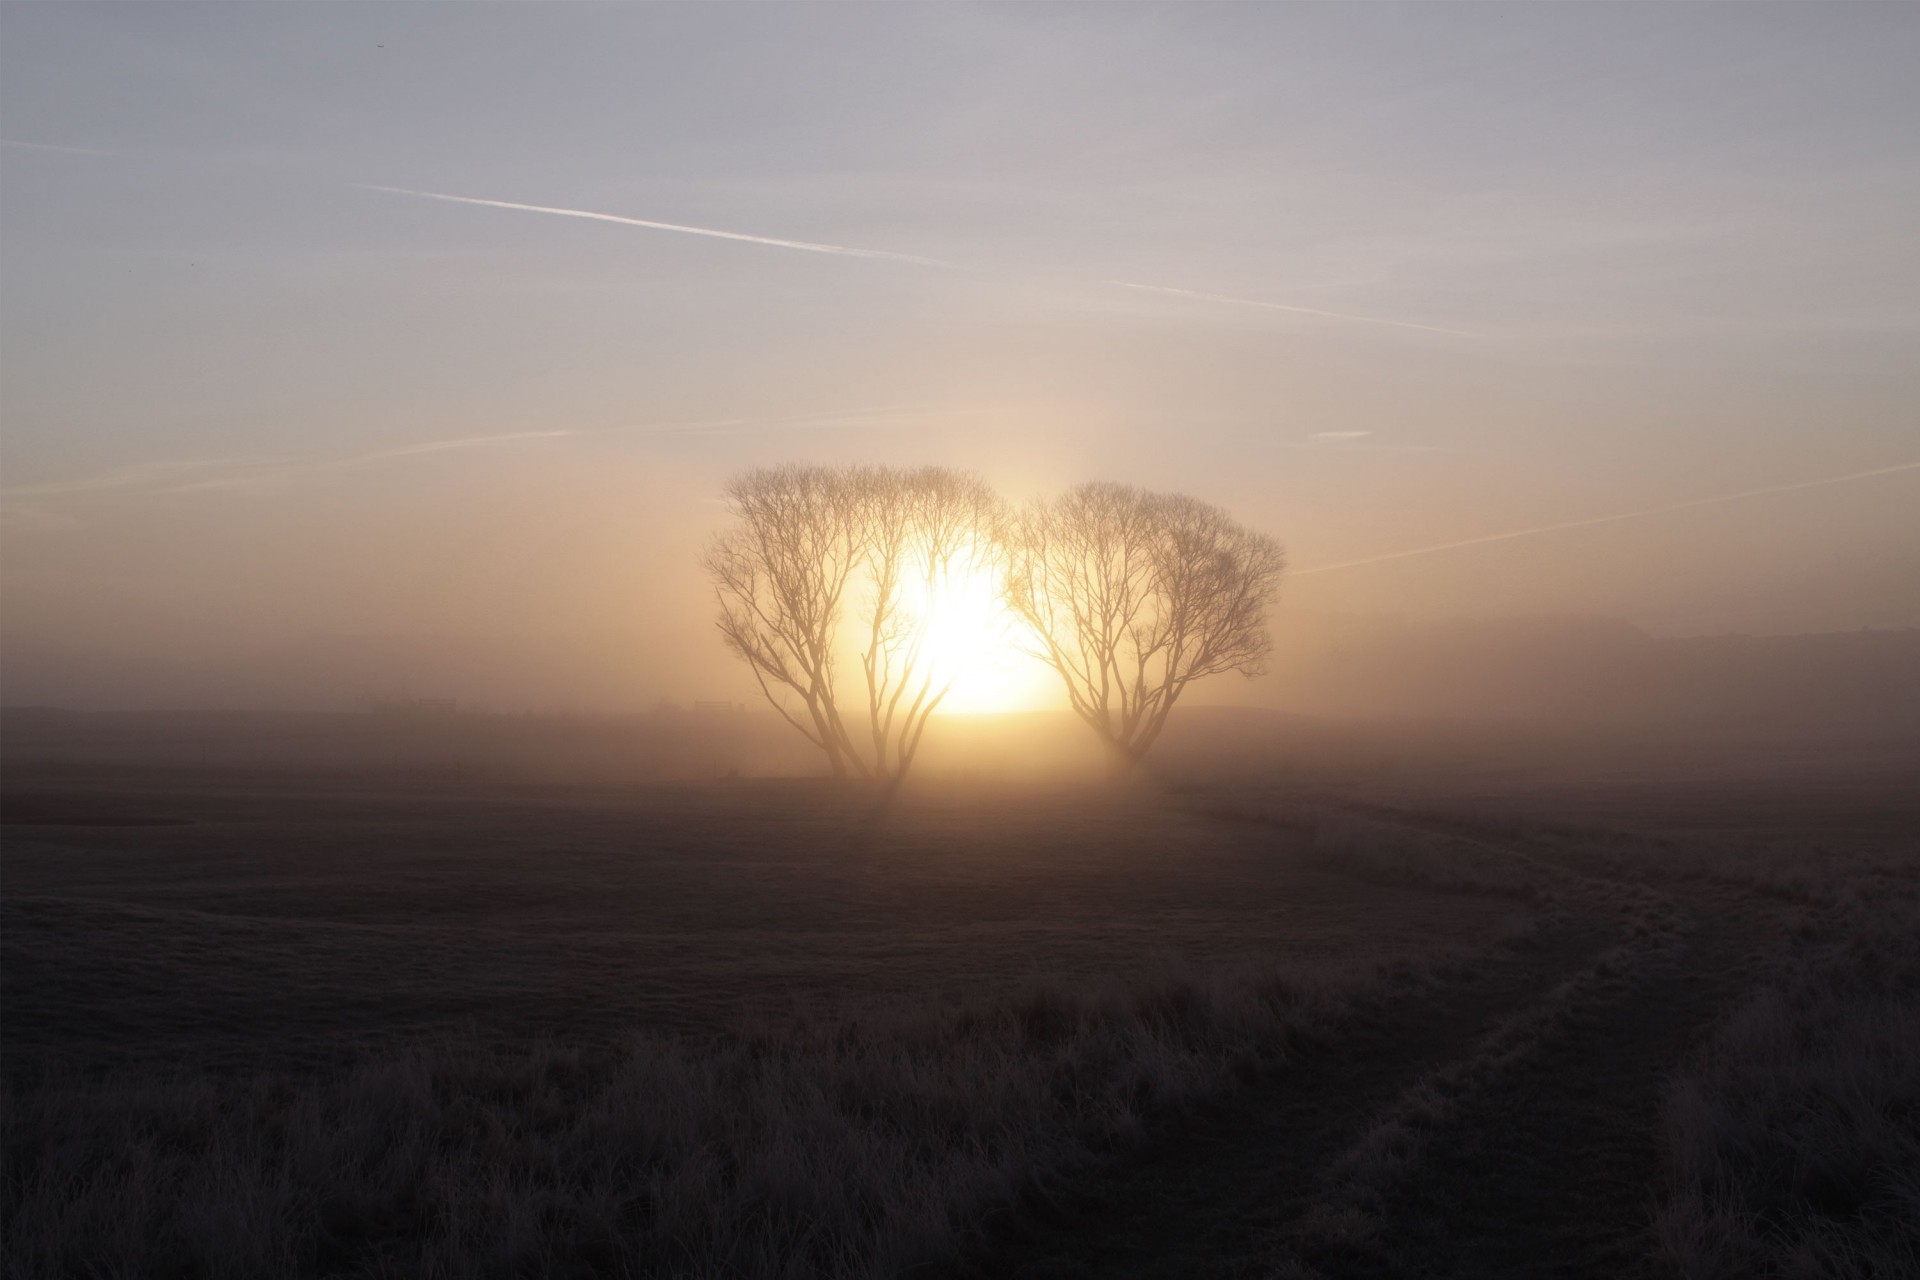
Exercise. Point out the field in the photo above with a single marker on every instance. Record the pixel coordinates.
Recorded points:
(1508, 1024)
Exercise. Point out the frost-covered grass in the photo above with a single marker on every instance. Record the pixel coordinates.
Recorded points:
(1793, 1142)
(843, 1148)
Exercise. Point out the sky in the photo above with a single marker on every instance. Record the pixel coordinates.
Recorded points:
(353, 349)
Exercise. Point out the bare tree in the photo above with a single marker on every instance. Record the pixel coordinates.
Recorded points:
(927, 529)
(813, 542)
(1131, 596)
(780, 576)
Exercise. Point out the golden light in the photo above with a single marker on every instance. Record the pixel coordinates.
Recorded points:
(969, 637)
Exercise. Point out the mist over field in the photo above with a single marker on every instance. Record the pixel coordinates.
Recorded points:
(988, 642)
(280, 433)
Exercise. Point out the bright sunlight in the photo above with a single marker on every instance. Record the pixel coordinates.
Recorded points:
(970, 638)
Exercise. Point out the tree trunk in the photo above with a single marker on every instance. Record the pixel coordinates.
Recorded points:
(1123, 759)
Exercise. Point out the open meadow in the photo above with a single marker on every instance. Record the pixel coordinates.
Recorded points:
(316, 1024)
(962, 641)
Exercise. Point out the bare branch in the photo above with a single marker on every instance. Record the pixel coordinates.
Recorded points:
(1131, 596)
(808, 543)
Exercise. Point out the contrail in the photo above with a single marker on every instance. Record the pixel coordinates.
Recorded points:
(235, 473)
(829, 420)
(441, 446)
(1230, 300)
(138, 476)
(1616, 516)
(808, 246)
(272, 470)
(48, 146)
(848, 251)
(811, 246)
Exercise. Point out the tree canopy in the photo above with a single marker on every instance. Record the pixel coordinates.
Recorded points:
(1131, 596)
(811, 544)
(1128, 595)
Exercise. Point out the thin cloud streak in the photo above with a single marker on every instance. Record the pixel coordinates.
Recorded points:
(139, 476)
(829, 420)
(442, 446)
(244, 471)
(264, 472)
(240, 473)
(812, 246)
(49, 146)
(807, 246)
(1343, 444)
(1613, 518)
(1352, 317)
(848, 251)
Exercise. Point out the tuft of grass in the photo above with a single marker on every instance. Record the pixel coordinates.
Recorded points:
(1342, 1229)
(1793, 1142)
(846, 1148)
(1389, 853)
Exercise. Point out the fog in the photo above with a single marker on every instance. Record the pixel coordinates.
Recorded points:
(553, 583)
(814, 640)
(277, 439)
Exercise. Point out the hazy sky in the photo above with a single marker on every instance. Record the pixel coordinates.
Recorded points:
(1375, 278)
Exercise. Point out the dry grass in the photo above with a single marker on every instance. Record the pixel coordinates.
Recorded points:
(1793, 1143)
(1347, 838)
(312, 928)
(854, 1149)
(1345, 1226)
(1392, 853)
(869, 1134)
(1790, 861)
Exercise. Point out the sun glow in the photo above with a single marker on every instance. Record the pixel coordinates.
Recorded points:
(969, 637)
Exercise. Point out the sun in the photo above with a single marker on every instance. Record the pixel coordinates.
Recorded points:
(969, 637)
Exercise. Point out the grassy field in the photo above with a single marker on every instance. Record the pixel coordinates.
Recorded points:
(306, 1025)
(289, 922)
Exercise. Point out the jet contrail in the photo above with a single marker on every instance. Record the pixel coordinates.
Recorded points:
(48, 146)
(808, 246)
(811, 246)
(230, 473)
(273, 470)
(138, 476)
(442, 446)
(1230, 300)
(235, 473)
(1610, 519)
(827, 420)
(848, 251)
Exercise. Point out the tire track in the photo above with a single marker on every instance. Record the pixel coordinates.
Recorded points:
(1502, 1126)
(1539, 1156)
(1208, 1199)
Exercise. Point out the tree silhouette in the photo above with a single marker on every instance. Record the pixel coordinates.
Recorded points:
(811, 542)
(924, 529)
(780, 576)
(1131, 596)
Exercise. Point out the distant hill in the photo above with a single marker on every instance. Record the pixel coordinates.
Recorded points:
(1602, 673)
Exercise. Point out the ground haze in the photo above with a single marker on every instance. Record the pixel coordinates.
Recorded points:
(1273, 1024)
(963, 641)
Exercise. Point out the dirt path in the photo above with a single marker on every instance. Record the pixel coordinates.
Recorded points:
(1207, 1201)
(1507, 1126)
(1550, 1166)
(1553, 1168)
